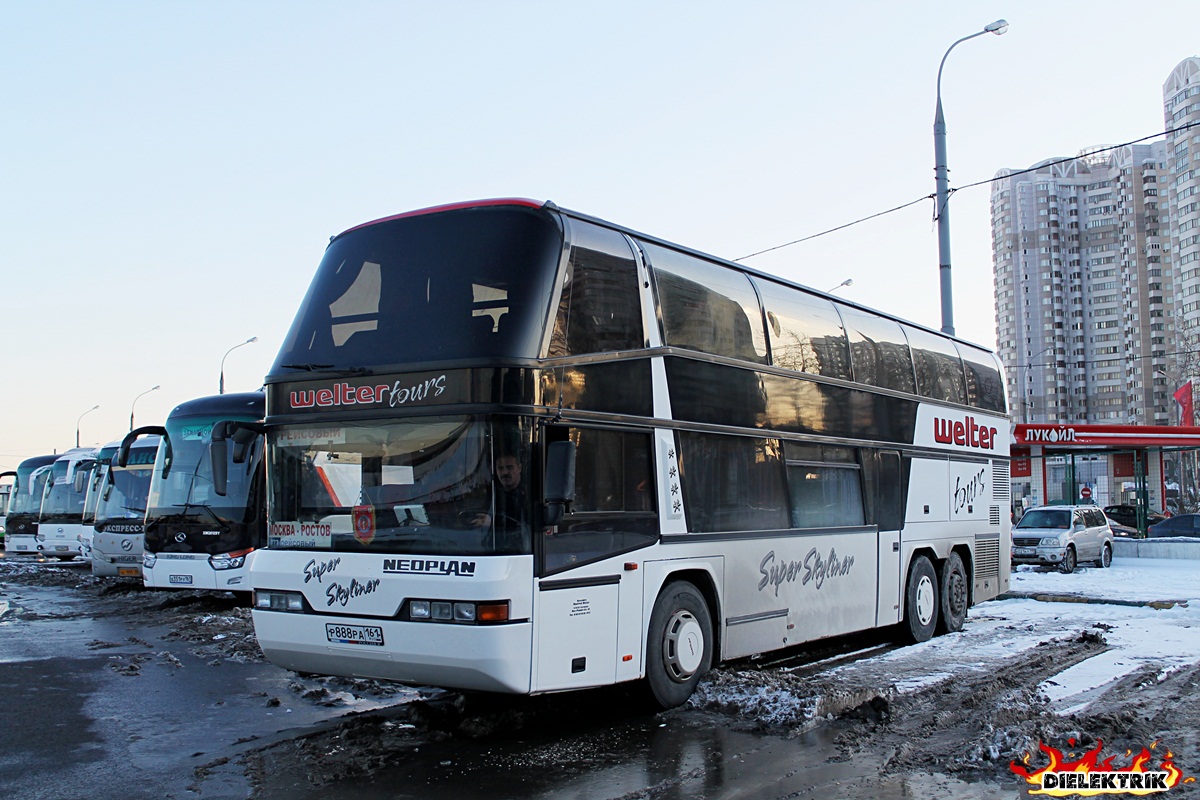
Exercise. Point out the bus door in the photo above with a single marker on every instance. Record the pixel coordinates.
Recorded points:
(588, 603)
(889, 517)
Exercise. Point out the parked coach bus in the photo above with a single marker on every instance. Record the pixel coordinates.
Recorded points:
(196, 538)
(61, 521)
(514, 448)
(120, 510)
(21, 524)
(95, 481)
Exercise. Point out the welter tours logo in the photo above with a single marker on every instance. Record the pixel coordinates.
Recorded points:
(1090, 777)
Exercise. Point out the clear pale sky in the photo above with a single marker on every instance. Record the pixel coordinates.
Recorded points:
(171, 172)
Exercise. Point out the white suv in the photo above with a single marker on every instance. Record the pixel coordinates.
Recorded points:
(1062, 536)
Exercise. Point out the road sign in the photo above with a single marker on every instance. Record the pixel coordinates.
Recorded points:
(1085, 493)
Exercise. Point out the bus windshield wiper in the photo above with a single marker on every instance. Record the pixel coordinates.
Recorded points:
(329, 368)
(188, 506)
(307, 367)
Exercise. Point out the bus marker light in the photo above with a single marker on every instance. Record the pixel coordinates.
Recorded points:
(492, 612)
(630, 566)
(627, 658)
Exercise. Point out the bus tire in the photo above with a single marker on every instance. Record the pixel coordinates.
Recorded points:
(679, 644)
(954, 595)
(920, 602)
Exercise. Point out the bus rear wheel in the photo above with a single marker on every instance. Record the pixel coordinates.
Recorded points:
(679, 644)
(921, 600)
(954, 595)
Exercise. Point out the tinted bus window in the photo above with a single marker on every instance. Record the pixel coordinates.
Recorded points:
(824, 486)
(878, 350)
(466, 284)
(732, 483)
(985, 385)
(707, 307)
(600, 310)
(805, 330)
(939, 369)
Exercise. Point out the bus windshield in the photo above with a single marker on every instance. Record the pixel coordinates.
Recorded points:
(97, 481)
(28, 497)
(424, 486)
(123, 490)
(62, 502)
(466, 284)
(182, 488)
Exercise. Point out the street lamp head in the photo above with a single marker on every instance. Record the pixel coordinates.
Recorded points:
(999, 27)
(252, 339)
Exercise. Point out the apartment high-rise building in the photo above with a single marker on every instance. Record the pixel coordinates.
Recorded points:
(1096, 262)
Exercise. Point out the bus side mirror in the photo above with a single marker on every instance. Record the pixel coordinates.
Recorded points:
(218, 454)
(560, 481)
(82, 470)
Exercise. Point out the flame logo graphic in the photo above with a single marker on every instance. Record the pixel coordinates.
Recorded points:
(1049, 779)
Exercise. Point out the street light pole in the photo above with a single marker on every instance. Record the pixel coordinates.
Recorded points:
(227, 352)
(941, 174)
(81, 416)
(847, 282)
(134, 404)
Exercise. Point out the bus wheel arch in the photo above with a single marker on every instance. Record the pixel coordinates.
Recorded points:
(954, 592)
(921, 599)
(680, 642)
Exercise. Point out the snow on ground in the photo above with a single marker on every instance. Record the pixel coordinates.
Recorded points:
(1138, 634)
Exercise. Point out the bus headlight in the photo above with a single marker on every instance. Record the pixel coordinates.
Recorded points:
(463, 612)
(269, 600)
(234, 560)
(148, 560)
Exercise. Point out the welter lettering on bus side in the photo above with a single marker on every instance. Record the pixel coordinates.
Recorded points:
(968, 433)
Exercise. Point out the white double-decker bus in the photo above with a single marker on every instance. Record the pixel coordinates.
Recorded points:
(517, 449)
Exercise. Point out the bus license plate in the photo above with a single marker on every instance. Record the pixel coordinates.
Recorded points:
(129, 572)
(179, 579)
(354, 634)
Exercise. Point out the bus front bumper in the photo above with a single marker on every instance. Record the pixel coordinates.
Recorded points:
(490, 658)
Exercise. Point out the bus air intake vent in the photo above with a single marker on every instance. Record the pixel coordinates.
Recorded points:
(994, 515)
(1001, 484)
(987, 558)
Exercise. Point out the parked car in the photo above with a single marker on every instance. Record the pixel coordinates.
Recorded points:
(1126, 515)
(1180, 525)
(1062, 536)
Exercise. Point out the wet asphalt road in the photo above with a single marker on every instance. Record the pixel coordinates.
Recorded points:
(76, 727)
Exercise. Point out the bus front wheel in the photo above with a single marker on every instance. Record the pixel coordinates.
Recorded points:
(920, 602)
(679, 644)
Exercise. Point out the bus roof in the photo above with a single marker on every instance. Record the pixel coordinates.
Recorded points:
(249, 403)
(552, 207)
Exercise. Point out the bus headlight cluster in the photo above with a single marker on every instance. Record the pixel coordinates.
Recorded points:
(464, 612)
(148, 560)
(269, 600)
(234, 560)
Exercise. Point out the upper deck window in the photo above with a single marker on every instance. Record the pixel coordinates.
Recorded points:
(879, 350)
(707, 307)
(459, 284)
(939, 368)
(599, 310)
(806, 331)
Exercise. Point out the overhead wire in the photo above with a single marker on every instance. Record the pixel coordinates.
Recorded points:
(1007, 175)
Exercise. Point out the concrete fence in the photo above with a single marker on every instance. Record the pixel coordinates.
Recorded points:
(1173, 547)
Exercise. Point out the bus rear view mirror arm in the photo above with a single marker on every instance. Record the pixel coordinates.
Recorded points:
(560, 480)
(243, 435)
